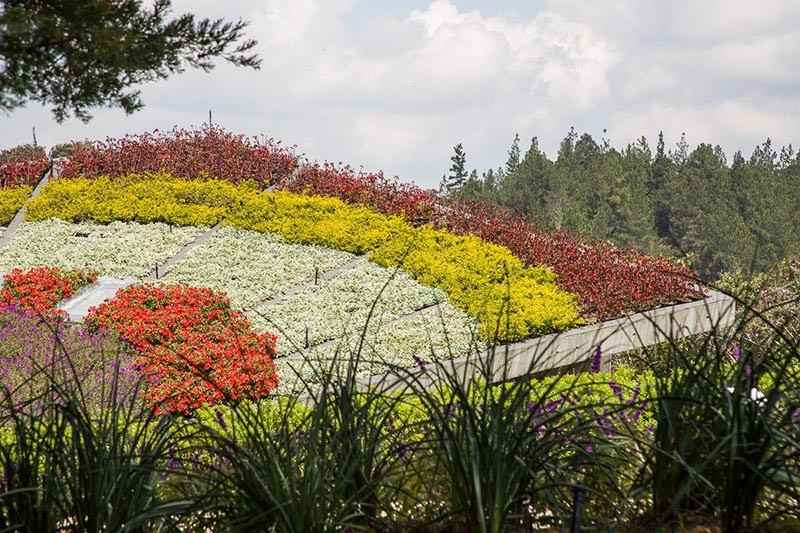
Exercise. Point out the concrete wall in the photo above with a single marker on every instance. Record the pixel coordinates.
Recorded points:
(576, 346)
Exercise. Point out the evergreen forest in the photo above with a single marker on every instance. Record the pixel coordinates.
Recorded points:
(694, 204)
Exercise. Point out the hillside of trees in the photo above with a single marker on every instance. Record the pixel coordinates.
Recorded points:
(716, 215)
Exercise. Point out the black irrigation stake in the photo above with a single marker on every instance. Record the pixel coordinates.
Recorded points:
(156, 271)
(579, 494)
(316, 275)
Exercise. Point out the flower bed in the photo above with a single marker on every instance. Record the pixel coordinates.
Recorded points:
(118, 250)
(609, 281)
(11, 200)
(440, 333)
(343, 304)
(484, 279)
(252, 267)
(152, 198)
(34, 351)
(23, 166)
(194, 348)
(40, 289)
(209, 152)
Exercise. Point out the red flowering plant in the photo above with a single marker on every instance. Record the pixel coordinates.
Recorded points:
(372, 189)
(192, 346)
(609, 281)
(41, 289)
(23, 165)
(209, 151)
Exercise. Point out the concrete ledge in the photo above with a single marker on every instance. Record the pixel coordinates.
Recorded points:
(78, 306)
(558, 350)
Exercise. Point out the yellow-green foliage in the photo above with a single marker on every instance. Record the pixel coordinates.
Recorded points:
(511, 301)
(145, 199)
(11, 201)
(317, 219)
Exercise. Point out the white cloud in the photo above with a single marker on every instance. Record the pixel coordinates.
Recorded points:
(396, 89)
(733, 124)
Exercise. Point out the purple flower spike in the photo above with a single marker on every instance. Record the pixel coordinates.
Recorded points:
(596, 360)
(736, 353)
(616, 389)
(420, 362)
(221, 420)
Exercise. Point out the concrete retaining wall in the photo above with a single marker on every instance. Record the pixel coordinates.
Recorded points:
(575, 346)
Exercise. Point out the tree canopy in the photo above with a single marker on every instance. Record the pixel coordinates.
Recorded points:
(688, 203)
(78, 55)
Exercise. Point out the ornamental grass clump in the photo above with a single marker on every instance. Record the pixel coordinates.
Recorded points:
(726, 441)
(507, 456)
(327, 464)
(79, 450)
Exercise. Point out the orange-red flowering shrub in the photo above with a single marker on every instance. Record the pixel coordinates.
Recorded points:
(192, 346)
(40, 289)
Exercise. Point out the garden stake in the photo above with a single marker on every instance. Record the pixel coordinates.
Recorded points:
(577, 508)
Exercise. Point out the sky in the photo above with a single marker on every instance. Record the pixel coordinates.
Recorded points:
(393, 85)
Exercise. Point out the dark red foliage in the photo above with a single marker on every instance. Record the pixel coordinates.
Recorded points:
(208, 152)
(374, 190)
(23, 166)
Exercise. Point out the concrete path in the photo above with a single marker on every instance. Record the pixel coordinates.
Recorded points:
(160, 270)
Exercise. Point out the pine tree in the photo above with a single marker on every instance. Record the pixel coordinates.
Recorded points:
(80, 55)
(458, 171)
(512, 163)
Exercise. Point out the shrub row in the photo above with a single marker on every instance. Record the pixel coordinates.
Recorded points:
(210, 152)
(22, 165)
(159, 198)
(512, 301)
